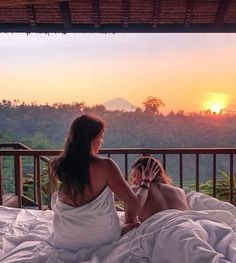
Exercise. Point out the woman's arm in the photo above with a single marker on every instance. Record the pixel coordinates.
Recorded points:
(117, 183)
(130, 215)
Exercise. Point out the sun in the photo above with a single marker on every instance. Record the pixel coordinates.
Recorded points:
(216, 102)
(216, 108)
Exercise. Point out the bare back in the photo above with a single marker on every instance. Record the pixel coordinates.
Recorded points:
(98, 174)
(161, 197)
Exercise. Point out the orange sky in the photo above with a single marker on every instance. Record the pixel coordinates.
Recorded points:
(187, 71)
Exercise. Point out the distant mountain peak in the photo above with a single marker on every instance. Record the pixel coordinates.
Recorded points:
(119, 104)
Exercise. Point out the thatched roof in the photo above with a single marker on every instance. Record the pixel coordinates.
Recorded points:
(118, 16)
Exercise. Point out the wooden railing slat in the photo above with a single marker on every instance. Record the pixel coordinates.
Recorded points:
(1, 182)
(180, 171)
(164, 160)
(197, 172)
(214, 175)
(39, 190)
(18, 178)
(35, 179)
(126, 166)
(231, 184)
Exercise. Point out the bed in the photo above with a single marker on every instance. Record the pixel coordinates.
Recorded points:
(205, 234)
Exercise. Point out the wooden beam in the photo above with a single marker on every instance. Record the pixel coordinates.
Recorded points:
(27, 201)
(12, 3)
(189, 13)
(31, 15)
(116, 28)
(156, 13)
(221, 12)
(96, 13)
(125, 13)
(10, 200)
(65, 13)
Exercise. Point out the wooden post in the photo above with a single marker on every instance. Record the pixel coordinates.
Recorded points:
(49, 183)
(35, 179)
(164, 161)
(18, 178)
(126, 166)
(197, 172)
(231, 174)
(214, 175)
(180, 170)
(1, 187)
(39, 190)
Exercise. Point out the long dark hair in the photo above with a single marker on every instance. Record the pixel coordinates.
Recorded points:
(72, 166)
(161, 175)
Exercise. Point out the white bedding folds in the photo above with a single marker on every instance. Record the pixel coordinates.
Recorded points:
(206, 236)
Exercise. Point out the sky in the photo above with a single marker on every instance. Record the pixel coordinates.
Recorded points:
(189, 72)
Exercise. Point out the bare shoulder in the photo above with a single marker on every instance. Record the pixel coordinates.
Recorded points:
(109, 163)
(103, 163)
(98, 160)
(180, 190)
(173, 189)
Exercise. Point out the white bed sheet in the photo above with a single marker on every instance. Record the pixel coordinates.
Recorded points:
(206, 236)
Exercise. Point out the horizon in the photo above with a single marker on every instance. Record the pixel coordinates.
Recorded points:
(194, 74)
(129, 107)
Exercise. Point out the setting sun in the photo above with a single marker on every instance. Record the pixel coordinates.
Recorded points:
(216, 102)
(216, 108)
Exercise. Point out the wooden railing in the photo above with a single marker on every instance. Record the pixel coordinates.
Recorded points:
(18, 150)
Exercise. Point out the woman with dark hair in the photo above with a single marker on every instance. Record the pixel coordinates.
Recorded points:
(161, 196)
(85, 214)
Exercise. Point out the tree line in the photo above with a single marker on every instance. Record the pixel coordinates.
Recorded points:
(45, 126)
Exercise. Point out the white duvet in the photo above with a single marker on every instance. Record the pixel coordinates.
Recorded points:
(206, 236)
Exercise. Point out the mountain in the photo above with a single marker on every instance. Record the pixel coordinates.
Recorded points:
(119, 104)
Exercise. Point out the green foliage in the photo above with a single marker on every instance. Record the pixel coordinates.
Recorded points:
(6, 137)
(44, 126)
(38, 141)
(8, 174)
(222, 187)
(28, 186)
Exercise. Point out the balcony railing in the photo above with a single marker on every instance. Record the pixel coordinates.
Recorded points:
(17, 151)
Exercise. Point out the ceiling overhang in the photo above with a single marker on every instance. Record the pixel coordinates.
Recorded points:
(118, 16)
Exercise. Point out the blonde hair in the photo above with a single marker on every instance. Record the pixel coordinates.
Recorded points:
(161, 175)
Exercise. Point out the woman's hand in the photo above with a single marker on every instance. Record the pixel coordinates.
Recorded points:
(149, 173)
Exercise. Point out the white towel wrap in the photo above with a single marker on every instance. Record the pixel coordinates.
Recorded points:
(92, 224)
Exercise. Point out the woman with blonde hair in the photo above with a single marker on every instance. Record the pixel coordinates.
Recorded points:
(161, 196)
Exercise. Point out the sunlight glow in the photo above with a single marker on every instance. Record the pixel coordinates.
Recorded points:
(216, 108)
(216, 102)
(94, 68)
